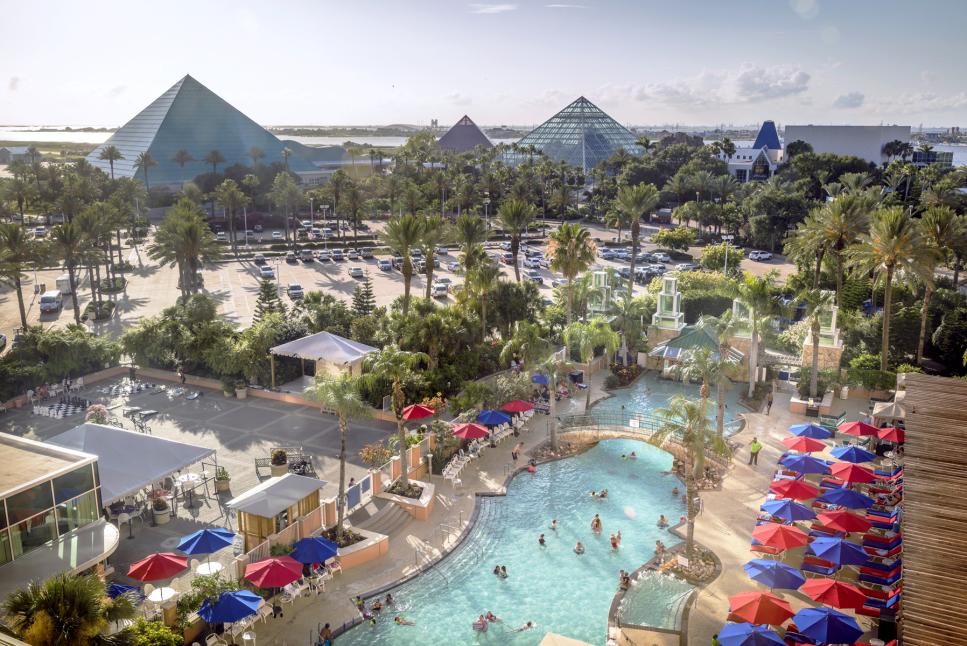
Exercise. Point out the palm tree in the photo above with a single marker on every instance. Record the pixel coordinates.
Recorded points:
(515, 216)
(399, 366)
(402, 235)
(634, 203)
(686, 431)
(285, 194)
(939, 228)
(68, 246)
(19, 253)
(527, 344)
(723, 328)
(286, 153)
(143, 162)
(433, 234)
(894, 244)
(572, 252)
(67, 610)
(231, 198)
(111, 154)
(587, 337)
(469, 231)
(214, 158)
(701, 365)
(185, 240)
(842, 222)
(818, 303)
(555, 370)
(255, 154)
(182, 157)
(806, 243)
(755, 293)
(484, 278)
(627, 314)
(340, 396)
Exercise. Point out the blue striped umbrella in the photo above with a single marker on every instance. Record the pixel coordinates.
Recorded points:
(839, 551)
(787, 509)
(846, 498)
(230, 606)
(804, 464)
(493, 417)
(827, 626)
(206, 541)
(853, 454)
(748, 635)
(774, 574)
(314, 549)
(814, 431)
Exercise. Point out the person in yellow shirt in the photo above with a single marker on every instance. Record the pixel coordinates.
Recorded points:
(754, 449)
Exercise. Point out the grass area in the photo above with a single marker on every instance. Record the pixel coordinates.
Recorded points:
(59, 149)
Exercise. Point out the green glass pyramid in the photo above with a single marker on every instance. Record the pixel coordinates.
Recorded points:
(582, 135)
(190, 117)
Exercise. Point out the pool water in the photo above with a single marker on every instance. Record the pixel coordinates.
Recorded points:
(654, 599)
(552, 586)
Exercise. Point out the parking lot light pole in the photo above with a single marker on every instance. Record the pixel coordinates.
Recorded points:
(312, 219)
(727, 239)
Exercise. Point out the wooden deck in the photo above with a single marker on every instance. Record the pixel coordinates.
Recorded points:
(935, 512)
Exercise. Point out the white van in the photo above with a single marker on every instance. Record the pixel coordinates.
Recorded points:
(64, 284)
(51, 301)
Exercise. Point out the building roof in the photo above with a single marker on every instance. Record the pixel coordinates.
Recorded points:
(275, 495)
(16, 150)
(190, 117)
(692, 338)
(464, 136)
(128, 461)
(324, 346)
(768, 136)
(27, 462)
(582, 135)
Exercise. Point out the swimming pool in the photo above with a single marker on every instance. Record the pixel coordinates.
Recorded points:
(551, 586)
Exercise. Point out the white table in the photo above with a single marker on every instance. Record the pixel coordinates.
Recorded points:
(209, 567)
(159, 595)
(188, 482)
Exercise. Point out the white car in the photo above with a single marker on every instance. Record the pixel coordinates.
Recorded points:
(533, 276)
(440, 291)
(276, 235)
(661, 256)
(294, 290)
(385, 264)
(356, 272)
(453, 266)
(353, 254)
(324, 255)
(760, 255)
(686, 266)
(266, 272)
(221, 236)
(558, 282)
(444, 282)
(534, 262)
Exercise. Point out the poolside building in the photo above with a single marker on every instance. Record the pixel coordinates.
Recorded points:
(190, 117)
(758, 162)
(580, 135)
(463, 137)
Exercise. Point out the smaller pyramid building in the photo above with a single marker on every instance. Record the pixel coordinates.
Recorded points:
(191, 117)
(768, 137)
(464, 136)
(581, 135)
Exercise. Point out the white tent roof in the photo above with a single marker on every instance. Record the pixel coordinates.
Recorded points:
(128, 461)
(275, 495)
(324, 346)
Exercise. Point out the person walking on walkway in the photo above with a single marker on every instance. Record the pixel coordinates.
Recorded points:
(754, 449)
(769, 403)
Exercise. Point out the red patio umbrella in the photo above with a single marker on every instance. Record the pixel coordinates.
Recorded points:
(834, 593)
(274, 572)
(803, 443)
(891, 434)
(517, 406)
(781, 537)
(795, 489)
(844, 521)
(417, 411)
(470, 431)
(858, 428)
(760, 608)
(850, 472)
(161, 565)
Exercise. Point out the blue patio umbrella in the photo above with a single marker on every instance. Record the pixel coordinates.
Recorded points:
(115, 590)
(230, 606)
(853, 454)
(787, 509)
(539, 379)
(846, 498)
(493, 417)
(827, 626)
(814, 431)
(748, 635)
(206, 541)
(839, 551)
(804, 463)
(314, 549)
(774, 574)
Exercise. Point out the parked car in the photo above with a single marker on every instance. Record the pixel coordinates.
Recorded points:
(257, 228)
(397, 262)
(306, 224)
(353, 254)
(385, 264)
(3, 342)
(220, 236)
(441, 250)
(51, 301)
(508, 258)
(306, 255)
(760, 255)
(439, 291)
(356, 272)
(656, 269)
(606, 254)
(505, 246)
(442, 280)
(558, 282)
(294, 290)
(661, 256)
(325, 255)
(366, 252)
(644, 256)
(532, 263)
(534, 276)
(266, 272)
(277, 235)
(337, 255)
(249, 234)
(290, 257)
(686, 266)
(621, 254)
(453, 266)
(259, 259)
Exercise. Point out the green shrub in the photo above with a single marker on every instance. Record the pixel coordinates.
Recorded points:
(906, 367)
(697, 304)
(611, 382)
(151, 633)
(103, 312)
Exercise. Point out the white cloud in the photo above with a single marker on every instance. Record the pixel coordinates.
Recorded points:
(918, 102)
(13, 84)
(117, 90)
(807, 9)
(458, 98)
(565, 6)
(491, 8)
(756, 83)
(849, 100)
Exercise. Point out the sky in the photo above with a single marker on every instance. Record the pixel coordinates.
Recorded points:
(356, 62)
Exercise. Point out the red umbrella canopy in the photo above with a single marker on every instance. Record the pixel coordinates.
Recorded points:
(760, 608)
(517, 406)
(844, 521)
(851, 472)
(891, 434)
(470, 431)
(273, 572)
(417, 411)
(795, 489)
(834, 593)
(857, 428)
(781, 537)
(158, 566)
(803, 443)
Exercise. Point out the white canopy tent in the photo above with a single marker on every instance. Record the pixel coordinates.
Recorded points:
(275, 495)
(128, 461)
(326, 348)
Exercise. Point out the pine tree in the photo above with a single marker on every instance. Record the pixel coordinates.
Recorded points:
(363, 300)
(268, 301)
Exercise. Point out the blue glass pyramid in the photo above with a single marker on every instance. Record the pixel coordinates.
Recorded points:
(581, 135)
(190, 117)
(768, 136)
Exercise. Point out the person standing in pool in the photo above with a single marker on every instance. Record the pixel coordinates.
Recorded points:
(541, 541)
(554, 525)
(596, 524)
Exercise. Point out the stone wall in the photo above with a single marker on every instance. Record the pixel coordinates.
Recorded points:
(829, 357)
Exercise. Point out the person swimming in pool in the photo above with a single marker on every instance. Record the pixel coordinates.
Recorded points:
(614, 542)
(481, 624)
(492, 617)
(675, 491)
(632, 456)
(662, 521)
(527, 626)
(541, 541)
(603, 494)
(596, 524)
(503, 571)
(403, 621)
(554, 525)
(579, 548)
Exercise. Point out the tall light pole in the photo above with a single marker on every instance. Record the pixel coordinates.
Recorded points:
(727, 239)
(486, 203)
(312, 218)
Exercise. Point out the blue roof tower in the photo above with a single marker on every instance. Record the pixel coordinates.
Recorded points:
(768, 136)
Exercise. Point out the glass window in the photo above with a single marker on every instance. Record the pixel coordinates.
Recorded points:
(71, 485)
(33, 532)
(30, 502)
(6, 553)
(77, 512)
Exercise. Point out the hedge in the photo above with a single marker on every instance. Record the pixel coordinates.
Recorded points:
(696, 304)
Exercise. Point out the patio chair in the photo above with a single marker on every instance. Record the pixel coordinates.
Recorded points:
(333, 566)
(264, 612)
(215, 640)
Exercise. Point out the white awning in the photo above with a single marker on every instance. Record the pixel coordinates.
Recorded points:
(128, 461)
(275, 495)
(324, 346)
